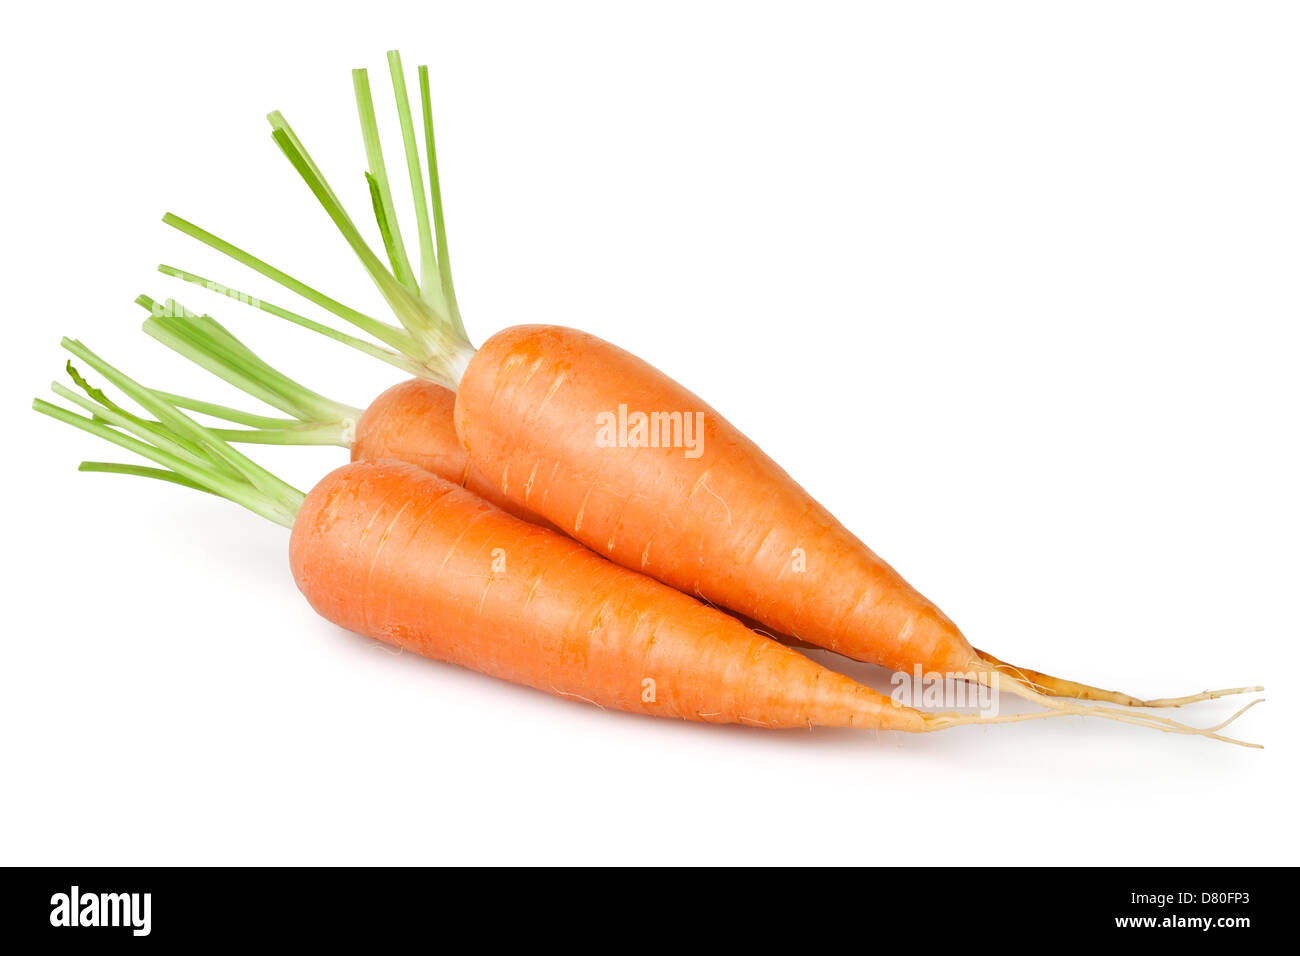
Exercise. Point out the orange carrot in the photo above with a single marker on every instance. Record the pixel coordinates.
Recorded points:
(392, 551)
(396, 553)
(728, 524)
(708, 513)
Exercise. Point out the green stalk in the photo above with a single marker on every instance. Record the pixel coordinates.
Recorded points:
(316, 420)
(280, 508)
(388, 334)
(261, 430)
(430, 284)
(430, 339)
(298, 433)
(176, 442)
(395, 359)
(224, 412)
(378, 178)
(409, 309)
(102, 407)
(385, 231)
(278, 122)
(184, 427)
(435, 194)
(141, 428)
(140, 471)
(209, 344)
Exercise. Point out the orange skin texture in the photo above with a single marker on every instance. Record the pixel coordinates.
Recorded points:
(395, 552)
(412, 422)
(724, 526)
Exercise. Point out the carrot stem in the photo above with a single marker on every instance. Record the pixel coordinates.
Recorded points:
(430, 281)
(396, 359)
(225, 413)
(435, 195)
(208, 480)
(413, 313)
(177, 443)
(316, 420)
(431, 340)
(388, 334)
(306, 433)
(207, 343)
(102, 409)
(139, 471)
(385, 214)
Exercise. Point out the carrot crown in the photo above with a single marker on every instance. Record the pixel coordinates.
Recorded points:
(429, 339)
(188, 453)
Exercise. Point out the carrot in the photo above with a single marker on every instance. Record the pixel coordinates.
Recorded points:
(555, 616)
(722, 520)
(413, 422)
(728, 524)
(394, 552)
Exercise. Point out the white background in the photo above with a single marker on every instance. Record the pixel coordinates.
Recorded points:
(1010, 287)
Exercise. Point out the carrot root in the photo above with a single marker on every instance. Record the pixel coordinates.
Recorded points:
(1051, 686)
(944, 721)
(1065, 708)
